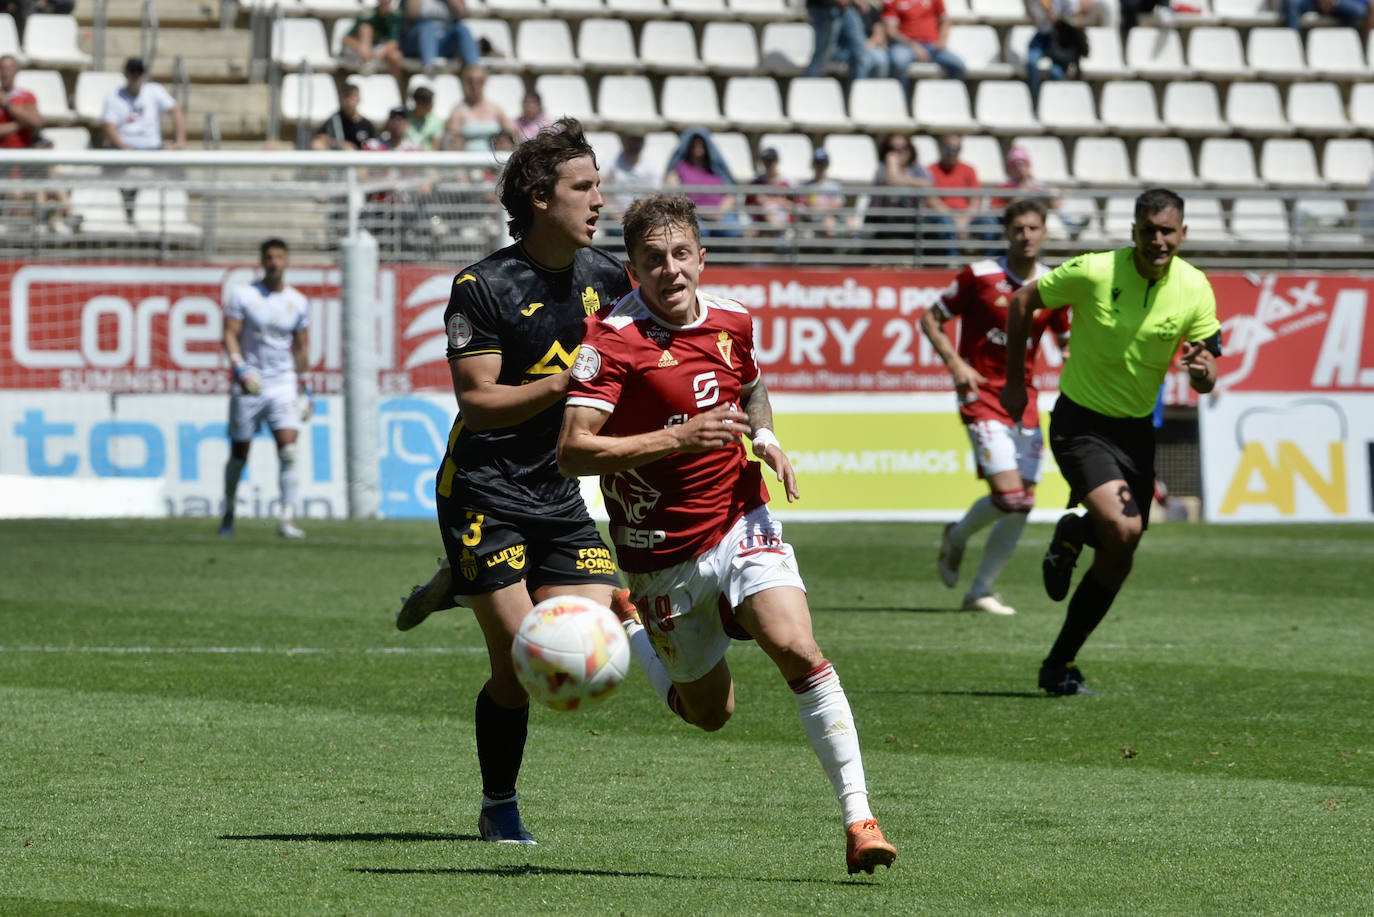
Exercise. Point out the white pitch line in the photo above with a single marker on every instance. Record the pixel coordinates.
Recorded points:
(247, 650)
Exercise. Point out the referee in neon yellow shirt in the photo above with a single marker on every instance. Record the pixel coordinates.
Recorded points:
(1132, 308)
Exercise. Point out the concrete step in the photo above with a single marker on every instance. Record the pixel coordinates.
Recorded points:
(242, 110)
(211, 55)
(204, 13)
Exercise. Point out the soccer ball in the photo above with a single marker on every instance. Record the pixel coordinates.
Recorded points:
(570, 652)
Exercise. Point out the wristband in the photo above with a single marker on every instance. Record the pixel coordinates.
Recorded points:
(765, 437)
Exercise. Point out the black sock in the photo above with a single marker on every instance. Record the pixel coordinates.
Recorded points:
(500, 745)
(1087, 608)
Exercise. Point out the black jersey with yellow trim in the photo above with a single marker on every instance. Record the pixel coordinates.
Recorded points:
(532, 316)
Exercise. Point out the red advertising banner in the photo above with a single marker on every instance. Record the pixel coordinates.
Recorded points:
(156, 328)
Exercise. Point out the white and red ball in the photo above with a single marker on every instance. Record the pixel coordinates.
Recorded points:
(570, 652)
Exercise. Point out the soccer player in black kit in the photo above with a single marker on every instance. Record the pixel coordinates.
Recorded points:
(515, 530)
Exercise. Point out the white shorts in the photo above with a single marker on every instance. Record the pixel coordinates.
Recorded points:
(998, 447)
(278, 406)
(685, 607)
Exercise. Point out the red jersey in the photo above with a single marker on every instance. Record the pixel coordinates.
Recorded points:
(23, 137)
(980, 295)
(962, 175)
(647, 375)
(918, 20)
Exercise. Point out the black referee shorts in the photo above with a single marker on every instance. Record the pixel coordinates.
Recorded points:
(1092, 449)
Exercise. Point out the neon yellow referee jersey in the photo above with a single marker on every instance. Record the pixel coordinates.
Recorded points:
(1126, 329)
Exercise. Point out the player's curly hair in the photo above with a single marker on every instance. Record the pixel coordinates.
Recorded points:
(532, 170)
(653, 212)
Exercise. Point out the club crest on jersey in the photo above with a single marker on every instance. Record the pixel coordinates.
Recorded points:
(591, 303)
(1001, 302)
(587, 363)
(725, 345)
(1167, 329)
(459, 331)
(467, 565)
(666, 360)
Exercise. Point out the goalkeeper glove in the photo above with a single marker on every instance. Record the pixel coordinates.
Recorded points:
(248, 378)
(307, 404)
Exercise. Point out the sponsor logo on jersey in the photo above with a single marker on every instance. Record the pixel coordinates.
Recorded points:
(459, 331)
(531, 309)
(513, 557)
(725, 345)
(587, 364)
(1167, 328)
(666, 360)
(591, 302)
(639, 538)
(632, 493)
(462, 279)
(659, 335)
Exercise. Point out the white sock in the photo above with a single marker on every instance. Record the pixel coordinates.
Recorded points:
(233, 471)
(829, 724)
(287, 457)
(648, 660)
(1001, 545)
(979, 516)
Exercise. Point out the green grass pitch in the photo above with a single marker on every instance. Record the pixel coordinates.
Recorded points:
(198, 726)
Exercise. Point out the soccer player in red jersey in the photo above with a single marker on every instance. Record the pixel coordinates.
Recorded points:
(1006, 449)
(662, 390)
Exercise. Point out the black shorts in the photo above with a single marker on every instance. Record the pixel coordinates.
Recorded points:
(487, 552)
(1092, 449)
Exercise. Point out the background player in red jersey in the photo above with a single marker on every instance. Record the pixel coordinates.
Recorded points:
(1006, 449)
(662, 390)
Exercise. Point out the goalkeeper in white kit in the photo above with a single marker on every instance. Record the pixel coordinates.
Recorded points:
(267, 340)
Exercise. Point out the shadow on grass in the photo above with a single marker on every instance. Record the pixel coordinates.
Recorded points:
(365, 836)
(530, 870)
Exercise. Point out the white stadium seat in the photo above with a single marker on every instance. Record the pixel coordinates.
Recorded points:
(545, 45)
(567, 95)
(1067, 105)
(853, 157)
(738, 154)
(1049, 161)
(817, 104)
(980, 48)
(628, 103)
(1348, 162)
(162, 212)
(1289, 162)
(507, 90)
(607, 44)
(311, 98)
(998, 12)
(297, 42)
(1336, 54)
(448, 92)
(498, 34)
(1193, 109)
(1324, 221)
(1004, 107)
(1105, 60)
(754, 104)
(1102, 161)
(1260, 220)
(51, 40)
(658, 147)
(50, 91)
(1255, 109)
(1129, 108)
(1216, 53)
(101, 211)
(377, 95)
(787, 47)
(759, 10)
(9, 37)
(879, 105)
(1227, 162)
(985, 155)
(1156, 53)
(669, 47)
(1165, 162)
(729, 47)
(794, 153)
(1317, 109)
(1205, 220)
(691, 100)
(1246, 13)
(1275, 53)
(637, 9)
(92, 87)
(1362, 106)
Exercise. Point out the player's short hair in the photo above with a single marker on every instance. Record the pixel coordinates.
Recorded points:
(653, 212)
(1155, 200)
(350, 89)
(1024, 205)
(532, 170)
(270, 244)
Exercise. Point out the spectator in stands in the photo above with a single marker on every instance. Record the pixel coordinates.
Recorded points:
(376, 38)
(838, 26)
(771, 211)
(1354, 13)
(133, 112)
(1132, 10)
(630, 173)
(19, 118)
(532, 119)
(697, 162)
(966, 212)
(822, 199)
(896, 216)
(426, 131)
(475, 120)
(345, 129)
(1046, 15)
(435, 28)
(875, 40)
(133, 118)
(917, 31)
(1020, 179)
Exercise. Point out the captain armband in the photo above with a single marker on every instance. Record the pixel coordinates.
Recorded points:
(1213, 344)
